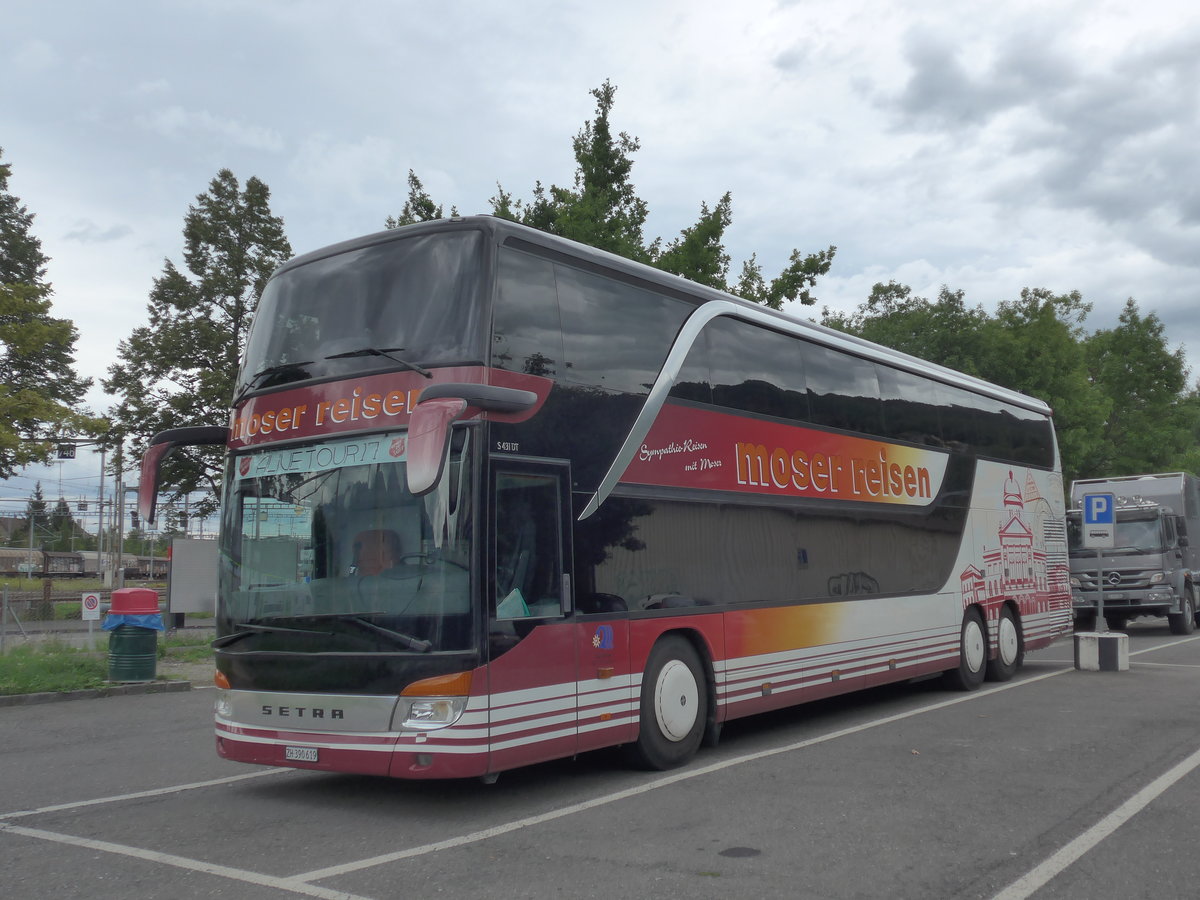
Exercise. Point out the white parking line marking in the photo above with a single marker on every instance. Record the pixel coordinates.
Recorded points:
(687, 775)
(1187, 640)
(1169, 665)
(156, 792)
(1041, 875)
(180, 862)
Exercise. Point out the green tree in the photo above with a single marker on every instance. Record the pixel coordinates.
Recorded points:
(1152, 421)
(179, 369)
(35, 517)
(35, 510)
(945, 331)
(699, 251)
(62, 523)
(602, 208)
(1036, 345)
(419, 207)
(40, 391)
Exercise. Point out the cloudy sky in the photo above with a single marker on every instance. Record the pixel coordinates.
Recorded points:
(987, 147)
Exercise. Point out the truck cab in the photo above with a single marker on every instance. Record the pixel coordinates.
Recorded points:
(1152, 568)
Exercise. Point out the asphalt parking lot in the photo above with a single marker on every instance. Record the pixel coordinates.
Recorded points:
(1058, 784)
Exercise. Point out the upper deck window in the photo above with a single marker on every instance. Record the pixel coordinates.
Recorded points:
(415, 297)
(560, 321)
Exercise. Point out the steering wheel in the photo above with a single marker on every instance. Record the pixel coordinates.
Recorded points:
(428, 559)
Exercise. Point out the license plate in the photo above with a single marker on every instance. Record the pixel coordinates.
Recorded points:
(300, 754)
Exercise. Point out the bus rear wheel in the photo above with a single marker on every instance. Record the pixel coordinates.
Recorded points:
(1010, 649)
(972, 654)
(674, 707)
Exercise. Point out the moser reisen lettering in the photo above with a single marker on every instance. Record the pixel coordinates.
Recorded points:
(358, 406)
(828, 474)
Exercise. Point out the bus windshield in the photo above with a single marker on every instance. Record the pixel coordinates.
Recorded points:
(324, 543)
(412, 301)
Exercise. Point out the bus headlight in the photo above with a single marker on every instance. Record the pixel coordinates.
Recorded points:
(434, 702)
(224, 706)
(431, 712)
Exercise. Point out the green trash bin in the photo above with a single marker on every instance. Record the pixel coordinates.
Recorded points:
(133, 624)
(132, 653)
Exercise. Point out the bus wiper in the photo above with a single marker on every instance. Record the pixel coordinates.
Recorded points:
(407, 640)
(386, 352)
(281, 369)
(247, 629)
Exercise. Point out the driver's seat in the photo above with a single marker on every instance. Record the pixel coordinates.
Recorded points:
(375, 551)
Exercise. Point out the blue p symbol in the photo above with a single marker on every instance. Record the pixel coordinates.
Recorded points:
(1097, 508)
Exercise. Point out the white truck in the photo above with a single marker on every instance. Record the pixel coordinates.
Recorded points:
(1153, 568)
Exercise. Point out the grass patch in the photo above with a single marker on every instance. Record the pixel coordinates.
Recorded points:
(185, 648)
(57, 667)
(34, 668)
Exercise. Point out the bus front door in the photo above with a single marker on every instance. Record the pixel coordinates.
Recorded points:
(533, 656)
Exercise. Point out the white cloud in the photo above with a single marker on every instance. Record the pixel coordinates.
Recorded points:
(157, 88)
(35, 56)
(179, 124)
(87, 232)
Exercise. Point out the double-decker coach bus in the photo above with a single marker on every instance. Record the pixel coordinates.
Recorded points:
(494, 497)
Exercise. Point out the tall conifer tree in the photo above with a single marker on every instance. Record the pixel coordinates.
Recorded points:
(40, 391)
(180, 368)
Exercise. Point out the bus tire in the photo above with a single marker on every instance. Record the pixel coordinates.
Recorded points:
(1010, 648)
(972, 654)
(1184, 621)
(674, 706)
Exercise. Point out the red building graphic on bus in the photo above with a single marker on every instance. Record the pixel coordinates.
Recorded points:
(1018, 568)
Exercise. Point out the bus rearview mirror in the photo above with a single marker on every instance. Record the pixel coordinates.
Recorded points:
(429, 441)
(439, 407)
(160, 447)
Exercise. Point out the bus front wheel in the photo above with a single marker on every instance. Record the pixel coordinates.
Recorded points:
(674, 706)
(972, 654)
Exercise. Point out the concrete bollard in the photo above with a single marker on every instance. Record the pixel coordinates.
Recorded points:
(1102, 651)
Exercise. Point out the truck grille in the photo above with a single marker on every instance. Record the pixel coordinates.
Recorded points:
(1114, 580)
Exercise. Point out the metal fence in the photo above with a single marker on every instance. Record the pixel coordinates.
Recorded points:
(50, 613)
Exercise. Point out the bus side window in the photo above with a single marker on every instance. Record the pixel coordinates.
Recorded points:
(529, 564)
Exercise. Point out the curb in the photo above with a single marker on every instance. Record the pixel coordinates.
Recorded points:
(116, 690)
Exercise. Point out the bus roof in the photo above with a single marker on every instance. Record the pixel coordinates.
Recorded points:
(502, 230)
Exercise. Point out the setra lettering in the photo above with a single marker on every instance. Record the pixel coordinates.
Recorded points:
(302, 712)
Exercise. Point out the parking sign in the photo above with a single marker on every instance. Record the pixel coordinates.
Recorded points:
(1099, 521)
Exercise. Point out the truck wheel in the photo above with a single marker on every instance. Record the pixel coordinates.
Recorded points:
(972, 655)
(1184, 621)
(1085, 621)
(1116, 622)
(1010, 649)
(674, 708)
